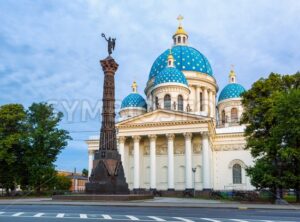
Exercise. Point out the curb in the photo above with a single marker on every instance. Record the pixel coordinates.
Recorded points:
(158, 205)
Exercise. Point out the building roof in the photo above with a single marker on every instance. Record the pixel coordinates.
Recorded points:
(186, 59)
(232, 90)
(134, 100)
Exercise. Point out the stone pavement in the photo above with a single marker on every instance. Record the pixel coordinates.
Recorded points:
(156, 202)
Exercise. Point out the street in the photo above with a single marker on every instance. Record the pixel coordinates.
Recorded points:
(63, 213)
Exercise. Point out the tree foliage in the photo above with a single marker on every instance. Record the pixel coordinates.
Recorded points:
(62, 183)
(45, 143)
(12, 144)
(30, 142)
(85, 172)
(272, 117)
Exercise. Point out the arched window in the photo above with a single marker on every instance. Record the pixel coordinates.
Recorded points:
(183, 39)
(167, 101)
(237, 174)
(223, 118)
(180, 103)
(234, 115)
(201, 101)
(179, 39)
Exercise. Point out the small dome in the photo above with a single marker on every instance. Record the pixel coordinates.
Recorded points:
(186, 59)
(134, 100)
(232, 90)
(170, 75)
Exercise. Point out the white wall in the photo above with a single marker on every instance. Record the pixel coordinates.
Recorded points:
(223, 172)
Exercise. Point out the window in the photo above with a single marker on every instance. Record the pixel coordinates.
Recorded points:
(183, 39)
(167, 102)
(237, 174)
(179, 39)
(234, 115)
(223, 117)
(201, 101)
(180, 103)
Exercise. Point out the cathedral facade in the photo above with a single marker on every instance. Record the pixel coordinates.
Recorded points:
(181, 136)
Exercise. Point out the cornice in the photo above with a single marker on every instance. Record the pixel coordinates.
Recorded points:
(229, 135)
(169, 123)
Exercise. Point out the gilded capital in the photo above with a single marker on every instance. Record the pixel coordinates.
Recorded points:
(170, 136)
(136, 138)
(121, 139)
(205, 134)
(188, 135)
(152, 137)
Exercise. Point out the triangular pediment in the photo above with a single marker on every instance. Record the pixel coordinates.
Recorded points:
(161, 115)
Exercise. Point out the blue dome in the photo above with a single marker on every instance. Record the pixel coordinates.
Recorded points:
(170, 74)
(186, 58)
(134, 100)
(232, 90)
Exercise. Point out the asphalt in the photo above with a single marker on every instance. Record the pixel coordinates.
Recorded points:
(65, 213)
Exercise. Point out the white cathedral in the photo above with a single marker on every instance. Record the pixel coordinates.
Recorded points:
(181, 137)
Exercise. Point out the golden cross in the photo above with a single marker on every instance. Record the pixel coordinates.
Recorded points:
(180, 18)
(134, 86)
(232, 67)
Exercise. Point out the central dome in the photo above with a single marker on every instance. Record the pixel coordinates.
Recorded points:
(186, 59)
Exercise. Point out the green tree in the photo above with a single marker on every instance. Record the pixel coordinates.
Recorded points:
(85, 172)
(286, 133)
(62, 182)
(46, 141)
(12, 145)
(262, 117)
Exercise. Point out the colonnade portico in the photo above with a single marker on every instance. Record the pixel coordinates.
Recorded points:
(188, 154)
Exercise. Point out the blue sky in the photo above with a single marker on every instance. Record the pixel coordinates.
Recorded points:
(50, 50)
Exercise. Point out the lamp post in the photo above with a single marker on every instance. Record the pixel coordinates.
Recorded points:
(194, 171)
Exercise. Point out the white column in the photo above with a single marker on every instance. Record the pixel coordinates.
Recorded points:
(122, 148)
(136, 160)
(188, 161)
(206, 161)
(152, 161)
(91, 160)
(197, 97)
(171, 185)
(214, 105)
(76, 185)
(205, 100)
(210, 102)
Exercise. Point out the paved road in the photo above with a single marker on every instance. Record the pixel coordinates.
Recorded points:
(61, 213)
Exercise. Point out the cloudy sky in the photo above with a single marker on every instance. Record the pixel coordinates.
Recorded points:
(50, 50)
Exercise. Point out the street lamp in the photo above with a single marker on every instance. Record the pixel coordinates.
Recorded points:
(194, 171)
